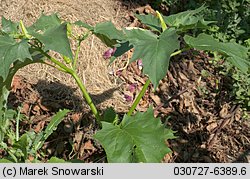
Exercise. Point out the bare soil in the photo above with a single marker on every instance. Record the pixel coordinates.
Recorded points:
(209, 126)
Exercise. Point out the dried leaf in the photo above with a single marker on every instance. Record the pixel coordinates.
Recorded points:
(211, 126)
(224, 111)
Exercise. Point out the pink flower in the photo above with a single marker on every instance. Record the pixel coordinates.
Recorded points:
(128, 98)
(139, 63)
(132, 87)
(109, 53)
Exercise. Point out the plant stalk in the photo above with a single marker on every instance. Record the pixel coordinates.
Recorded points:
(76, 55)
(138, 98)
(87, 97)
(80, 84)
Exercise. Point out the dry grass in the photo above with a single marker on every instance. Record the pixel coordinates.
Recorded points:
(93, 69)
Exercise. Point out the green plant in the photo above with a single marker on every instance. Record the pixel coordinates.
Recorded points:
(239, 87)
(20, 148)
(136, 136)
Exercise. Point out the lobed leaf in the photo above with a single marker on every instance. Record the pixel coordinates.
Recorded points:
(52, 33)
(154, 51)
(44, 23)
(108, 29)
(185, 18)
(56, 39)
(181, 21)
(237, 54)
(10, 52)
(8, 26)
(139, 138)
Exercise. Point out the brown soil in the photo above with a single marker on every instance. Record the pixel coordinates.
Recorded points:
(209, 127)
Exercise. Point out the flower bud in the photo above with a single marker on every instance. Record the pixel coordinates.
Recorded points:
(110, 52)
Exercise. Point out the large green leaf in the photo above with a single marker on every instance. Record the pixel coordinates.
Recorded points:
(44, 23)
(108, 29)
(154, 51)
(107, 33)
(237, 54)
(181, 21)
(11, 51)
(56, 39)
(139, 138)
(53, 34)
(187, 19)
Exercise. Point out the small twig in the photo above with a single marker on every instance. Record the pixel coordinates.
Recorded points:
(224, 122)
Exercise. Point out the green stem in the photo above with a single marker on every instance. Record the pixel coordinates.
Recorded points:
(87, 97)
(24, 30)
(80, 39)
(17, 125)
(61, 65)
(79, 83)
(76, 55)
(138, 98)
(179, 51)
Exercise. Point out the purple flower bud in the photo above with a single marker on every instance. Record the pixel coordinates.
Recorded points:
(132, 87)
(110, 52)
(139, 63)
(128, 98)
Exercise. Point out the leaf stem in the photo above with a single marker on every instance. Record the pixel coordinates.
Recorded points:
(80, 39)
(179, 51)
(17, 124)
(138, 98)
(24, 30)
(76, 55)
(61, 65)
